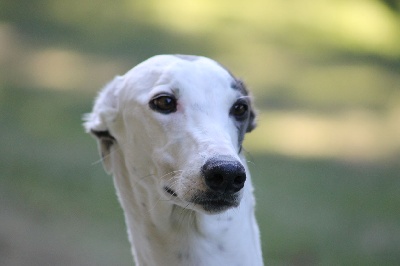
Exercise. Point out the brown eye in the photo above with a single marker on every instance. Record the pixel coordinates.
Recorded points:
(163, 104)
(239, 110)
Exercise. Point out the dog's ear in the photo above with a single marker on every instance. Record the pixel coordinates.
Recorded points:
(104, 114)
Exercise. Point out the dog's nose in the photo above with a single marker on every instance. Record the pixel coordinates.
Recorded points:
(224, 176)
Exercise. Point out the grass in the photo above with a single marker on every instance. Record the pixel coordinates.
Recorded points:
(326, 212)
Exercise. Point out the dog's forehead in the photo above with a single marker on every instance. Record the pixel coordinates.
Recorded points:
(183, 73)
(200, 76)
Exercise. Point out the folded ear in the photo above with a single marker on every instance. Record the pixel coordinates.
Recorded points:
(103, 115)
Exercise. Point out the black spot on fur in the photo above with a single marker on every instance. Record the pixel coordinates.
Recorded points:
(182, 256)
(170, 191)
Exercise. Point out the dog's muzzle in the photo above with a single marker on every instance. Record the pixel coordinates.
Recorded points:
(224, 177)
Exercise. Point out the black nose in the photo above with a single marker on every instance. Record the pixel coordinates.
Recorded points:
(224, 175)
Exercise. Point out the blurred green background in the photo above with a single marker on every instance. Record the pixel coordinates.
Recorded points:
(324, 159)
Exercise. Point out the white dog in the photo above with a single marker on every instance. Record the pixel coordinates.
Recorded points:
(170, 131)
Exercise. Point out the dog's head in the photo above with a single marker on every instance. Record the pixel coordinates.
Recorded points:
(183, 120)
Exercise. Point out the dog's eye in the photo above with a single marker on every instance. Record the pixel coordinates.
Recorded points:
(163, 104)
(239, 110)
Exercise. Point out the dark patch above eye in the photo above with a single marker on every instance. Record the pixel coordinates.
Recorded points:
(163, 103)
(239, 85)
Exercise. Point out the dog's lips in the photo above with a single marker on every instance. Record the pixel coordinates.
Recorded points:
(214, 203)
(210, 202)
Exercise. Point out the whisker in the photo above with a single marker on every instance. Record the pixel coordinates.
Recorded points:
(182, 215)
(170, 173)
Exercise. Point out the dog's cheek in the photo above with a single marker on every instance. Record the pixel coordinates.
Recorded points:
(241, 131)
(251, 122)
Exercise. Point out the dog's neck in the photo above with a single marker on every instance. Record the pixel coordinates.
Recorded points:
(162, 233)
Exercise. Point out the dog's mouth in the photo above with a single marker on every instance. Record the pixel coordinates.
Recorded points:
(215, 202)
(210, 202)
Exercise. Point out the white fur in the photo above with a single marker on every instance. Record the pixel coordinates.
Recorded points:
(153, 150)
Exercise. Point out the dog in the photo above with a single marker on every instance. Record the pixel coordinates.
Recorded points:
(170, 131)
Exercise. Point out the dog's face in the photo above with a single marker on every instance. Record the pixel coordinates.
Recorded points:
(185, 117)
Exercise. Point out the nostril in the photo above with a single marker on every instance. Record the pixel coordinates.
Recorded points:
(239, 180)
(238, 183)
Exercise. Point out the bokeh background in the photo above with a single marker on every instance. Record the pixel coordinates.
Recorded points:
(325, 157)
